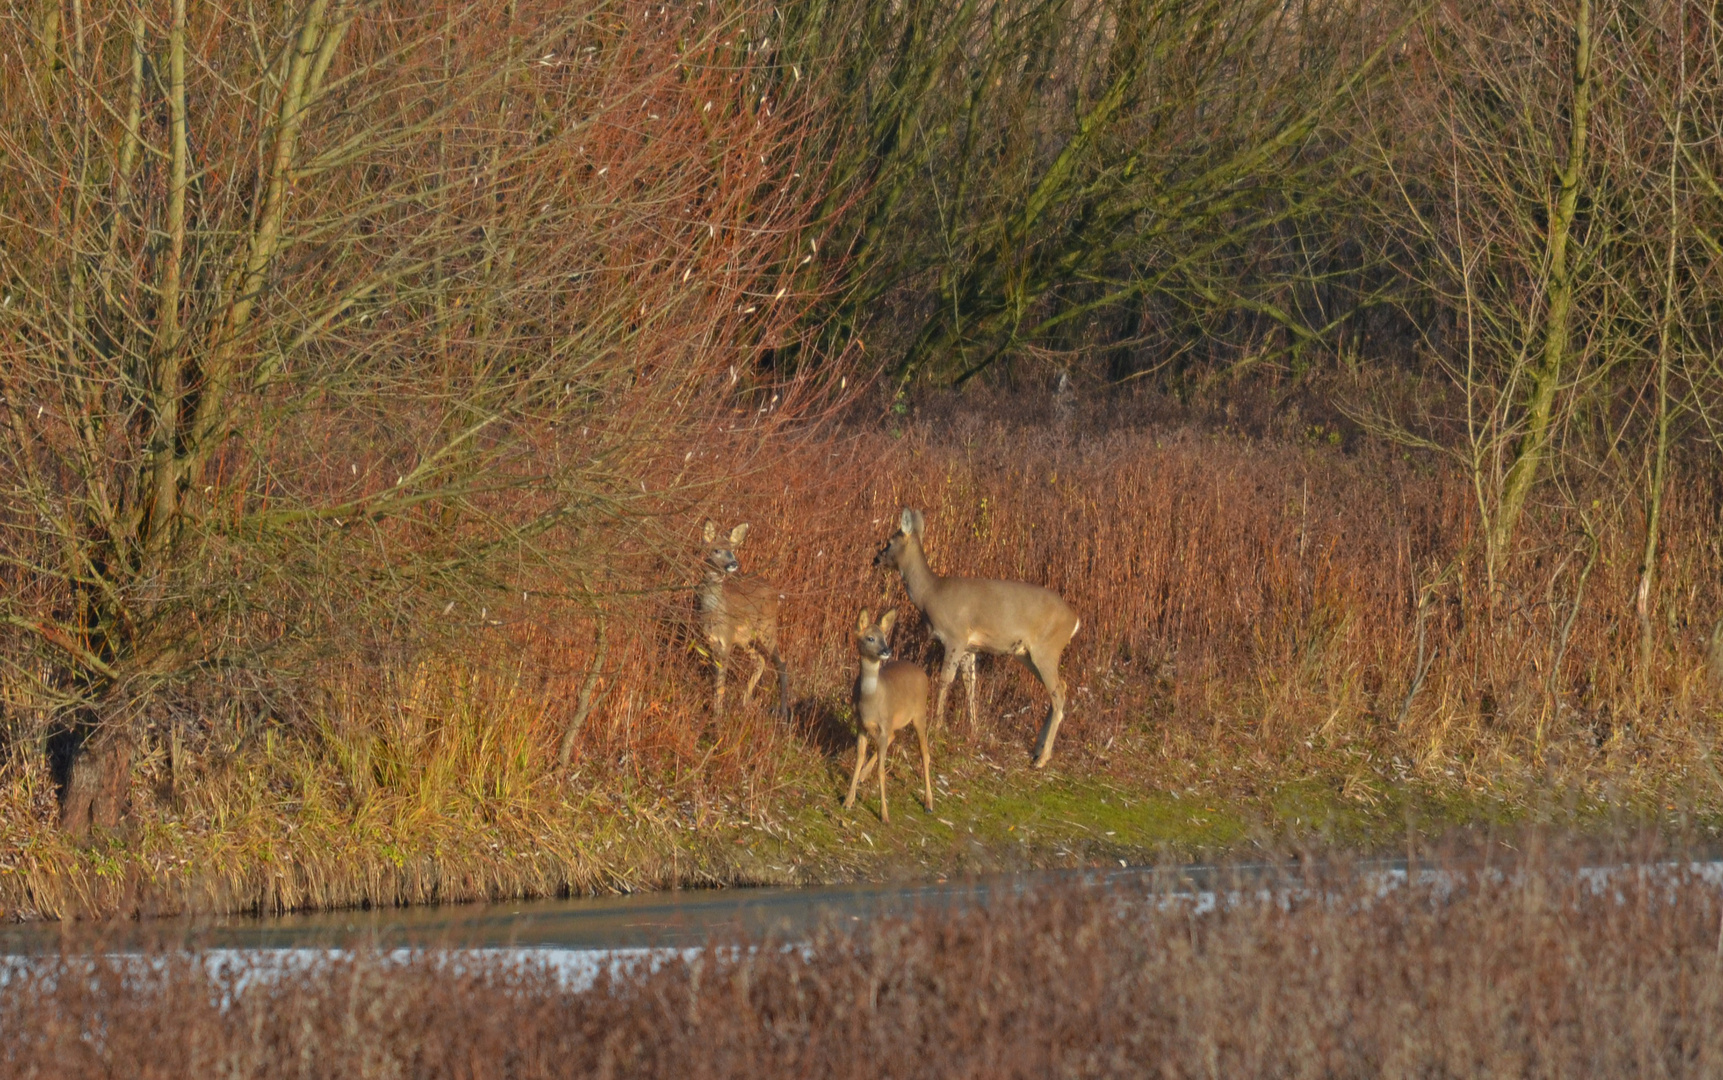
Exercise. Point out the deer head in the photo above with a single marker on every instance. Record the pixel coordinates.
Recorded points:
(910, 524)
(721, 551)
(873, 640)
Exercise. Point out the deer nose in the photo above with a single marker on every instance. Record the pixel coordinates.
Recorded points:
(885, 654)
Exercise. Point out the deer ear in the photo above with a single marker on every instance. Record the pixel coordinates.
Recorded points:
(909, 521)
(710, 534)
(738, 534)
(862, 623)
(888, 621)
(920, 522)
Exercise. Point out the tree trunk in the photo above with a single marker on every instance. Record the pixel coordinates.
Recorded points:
(1552, 368)
(98, 783)
(1645, 601)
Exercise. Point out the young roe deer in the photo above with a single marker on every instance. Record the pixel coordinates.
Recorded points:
(970, 615)
(738, 611)
(890, 695)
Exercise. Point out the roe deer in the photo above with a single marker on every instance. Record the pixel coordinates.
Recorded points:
(970, 615)
(739, 612)
(890, 695)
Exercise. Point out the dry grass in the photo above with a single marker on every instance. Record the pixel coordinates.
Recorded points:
(1523, 971)
(1250, 628)
(1253, 599)
(1301, 614)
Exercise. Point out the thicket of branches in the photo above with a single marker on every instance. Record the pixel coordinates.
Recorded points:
(1515, 210)
(1518, 203)
(1116, 184)
(335, 325)
(348, 324)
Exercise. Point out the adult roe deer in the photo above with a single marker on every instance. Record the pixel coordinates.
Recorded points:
(738, 611)
(970, 615)
(890, 695)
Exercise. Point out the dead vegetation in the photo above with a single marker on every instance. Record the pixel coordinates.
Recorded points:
(1270, 605)
(1511, 965)
(359, 422)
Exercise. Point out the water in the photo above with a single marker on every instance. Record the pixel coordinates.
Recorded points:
(575, 940)
(680, 920)
(675, 919)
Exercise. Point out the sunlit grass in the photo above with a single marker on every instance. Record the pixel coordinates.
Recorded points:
(1241, 679)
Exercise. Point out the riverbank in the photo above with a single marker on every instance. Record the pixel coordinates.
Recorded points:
(1255, 670)
(992, 813)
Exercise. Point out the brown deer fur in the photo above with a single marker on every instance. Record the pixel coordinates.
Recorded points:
(890, 695)
(739, 611)
(970, 615)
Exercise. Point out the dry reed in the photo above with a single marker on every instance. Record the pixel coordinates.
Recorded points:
(1254, 613)
(1523, 968)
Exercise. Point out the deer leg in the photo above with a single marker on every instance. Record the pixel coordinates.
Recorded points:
(969, 685)
(783, 685)
(856, 776)
(759, 670)
(1046, 667)
(947, 672)
(719, 654)
(884, 743)
(867, 770)
(926, 764)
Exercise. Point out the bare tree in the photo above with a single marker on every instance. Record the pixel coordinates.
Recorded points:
(1056, 173)
(1488, 151)
(344, 314)
(1550, 163)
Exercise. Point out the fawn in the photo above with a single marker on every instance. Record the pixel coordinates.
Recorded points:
(970, 615)
(738, 611)
(890, 695)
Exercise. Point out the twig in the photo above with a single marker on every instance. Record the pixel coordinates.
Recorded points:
(1426, 659)
(1572, 614)
(586, 702)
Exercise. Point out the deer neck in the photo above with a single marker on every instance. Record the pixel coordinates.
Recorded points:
(869, 681)
(918, 579)
(711, 590)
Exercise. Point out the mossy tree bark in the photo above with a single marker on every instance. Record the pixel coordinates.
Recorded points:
(1548, 376)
